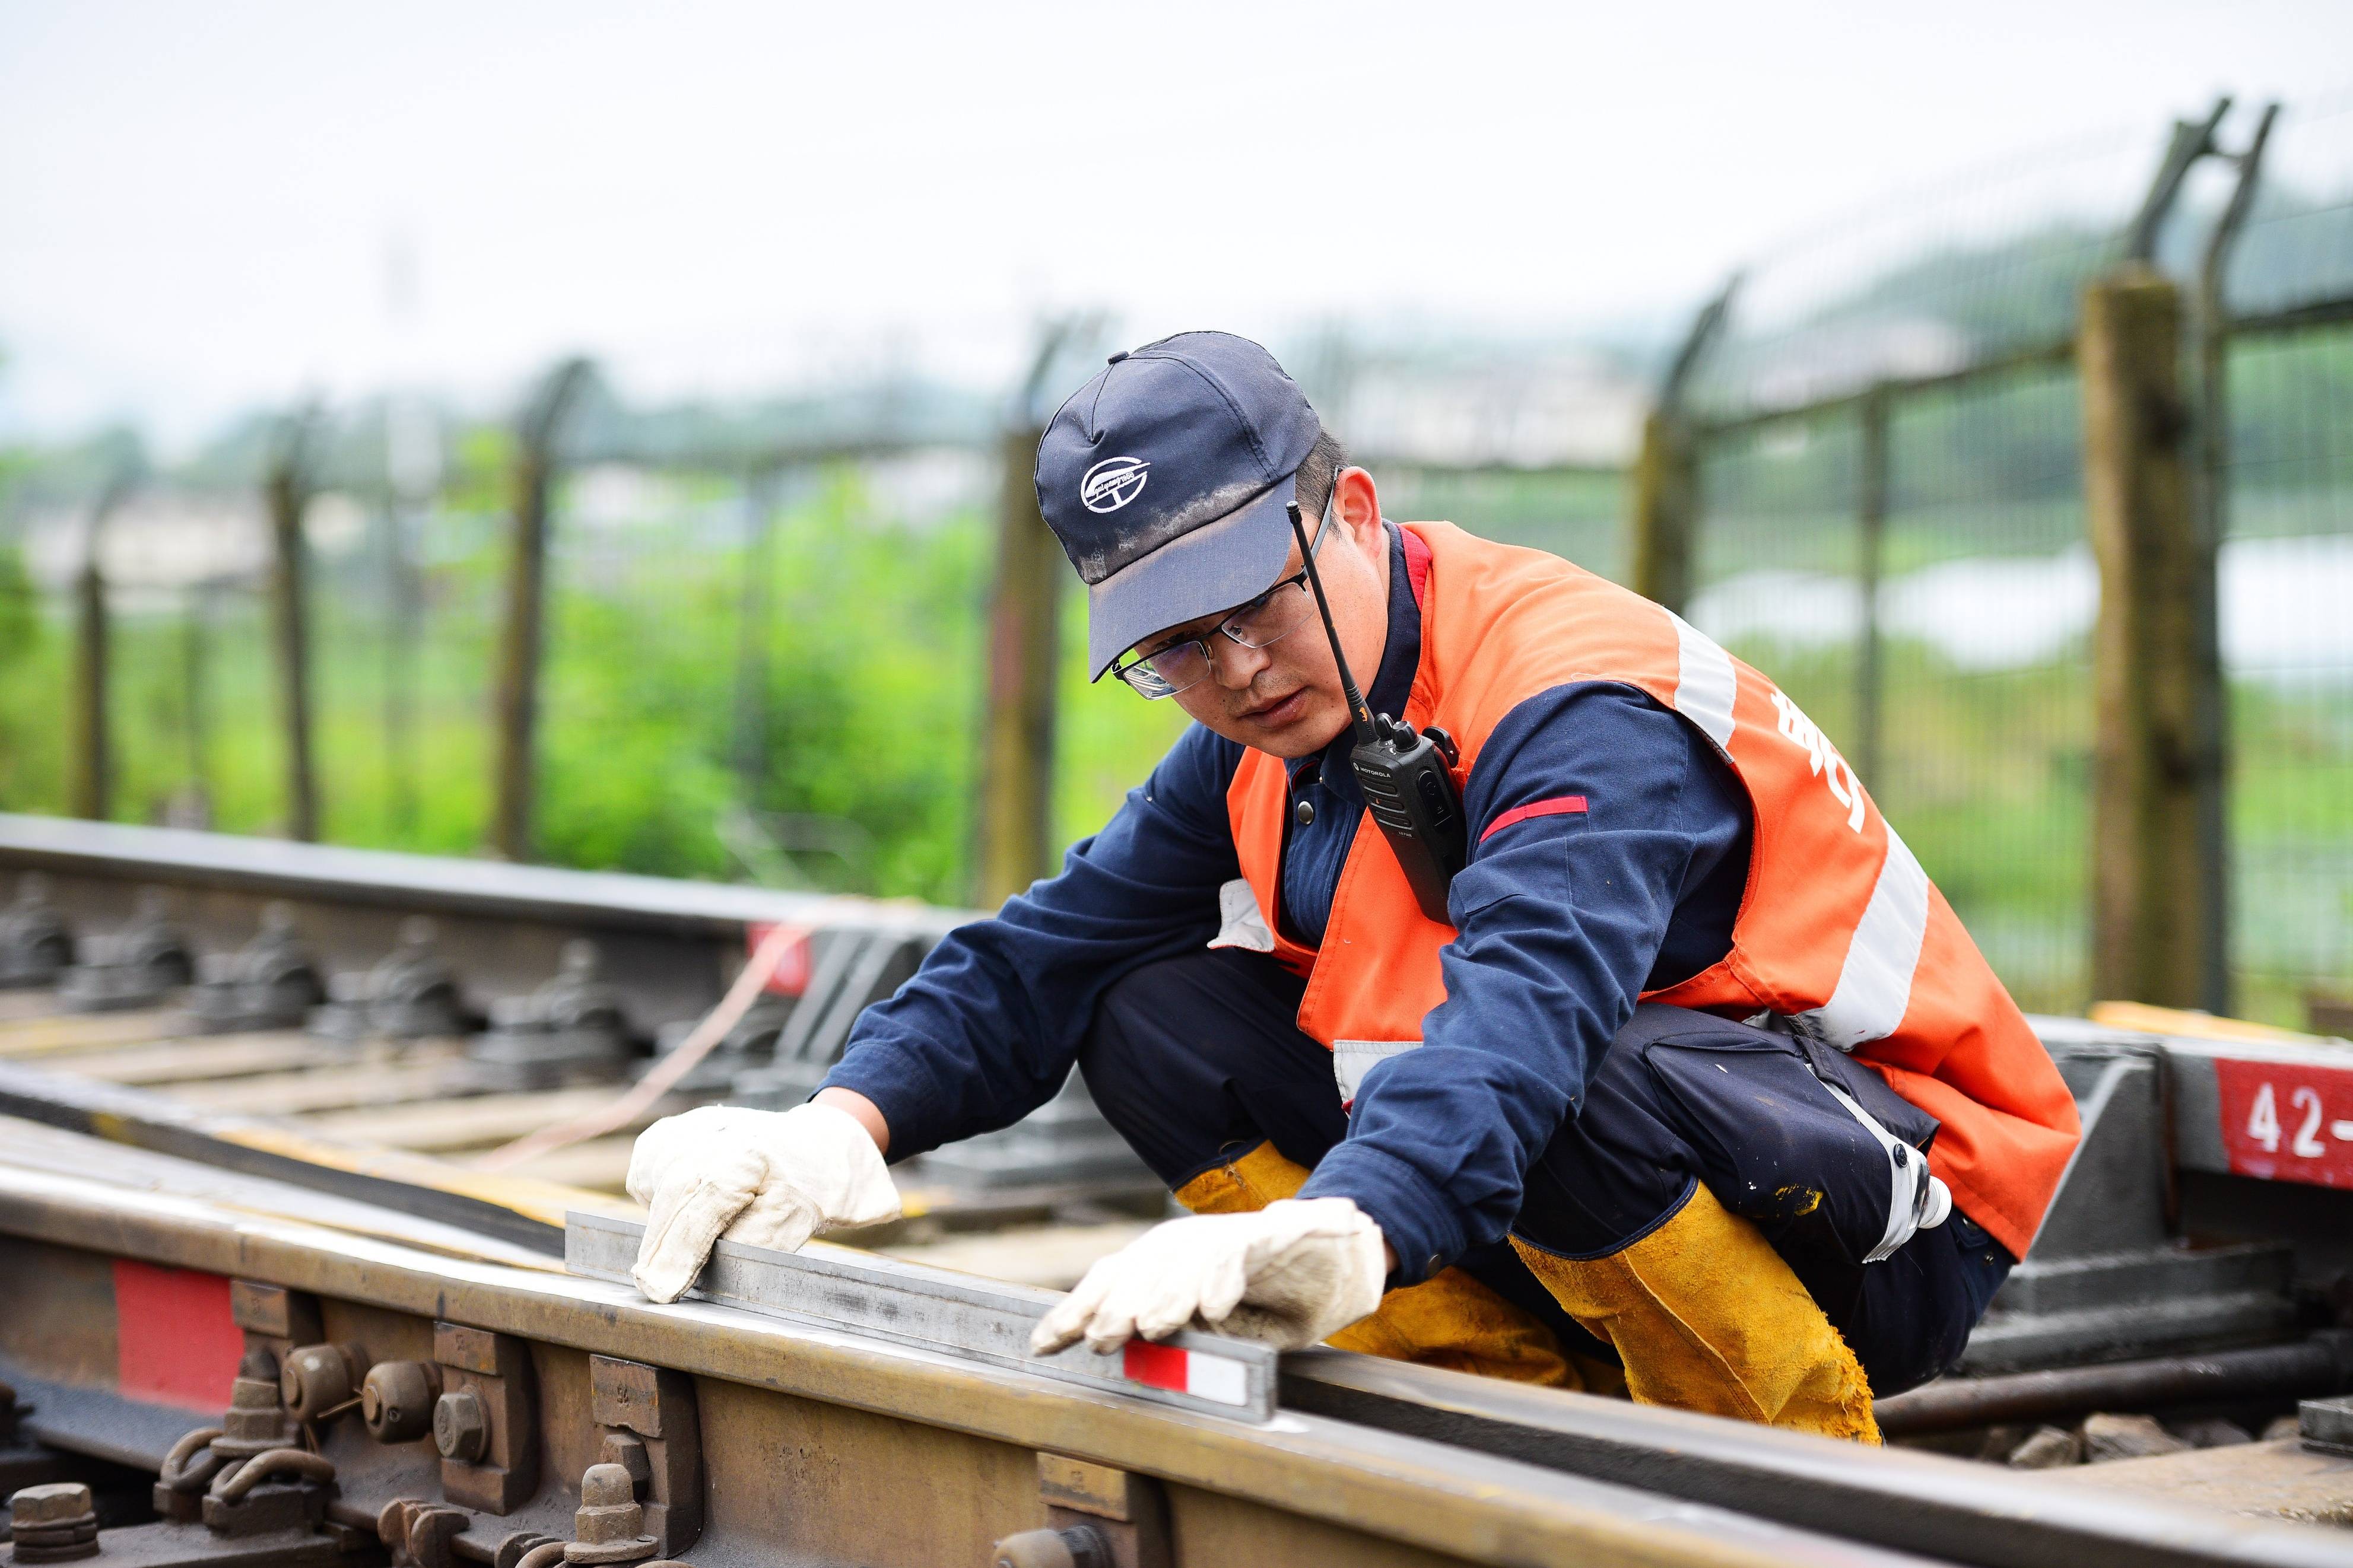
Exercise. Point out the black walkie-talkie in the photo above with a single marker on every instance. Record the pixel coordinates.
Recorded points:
(1406, 777)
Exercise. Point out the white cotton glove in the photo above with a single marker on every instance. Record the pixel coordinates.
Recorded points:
(1917, 1201)
(1289, 1276)
(765, 1178)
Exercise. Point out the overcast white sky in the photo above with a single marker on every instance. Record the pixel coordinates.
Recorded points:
(199, 201)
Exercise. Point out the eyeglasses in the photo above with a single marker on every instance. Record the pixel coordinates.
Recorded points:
(1269, 618)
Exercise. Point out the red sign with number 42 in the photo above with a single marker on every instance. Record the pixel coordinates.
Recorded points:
(2287, 1122)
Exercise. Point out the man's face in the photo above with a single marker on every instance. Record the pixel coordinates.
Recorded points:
(1285, 697)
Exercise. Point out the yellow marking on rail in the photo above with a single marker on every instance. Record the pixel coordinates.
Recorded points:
(543, 1201)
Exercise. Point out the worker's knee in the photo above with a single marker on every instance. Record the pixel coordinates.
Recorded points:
(1195, 1055)
(1161, 1045)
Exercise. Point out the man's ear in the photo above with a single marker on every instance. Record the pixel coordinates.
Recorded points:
(1357, 505)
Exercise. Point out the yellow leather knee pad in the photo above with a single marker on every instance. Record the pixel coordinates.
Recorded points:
(1707, 1317)
(1450, 1319)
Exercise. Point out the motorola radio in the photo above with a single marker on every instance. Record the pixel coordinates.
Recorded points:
(1406, 777)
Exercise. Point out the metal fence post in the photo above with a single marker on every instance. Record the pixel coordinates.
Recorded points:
(2211, 320)
(1666, 492)
(2149, 911)
(519, 644)
(1871, 541)
(286, 491)
(1016, 766)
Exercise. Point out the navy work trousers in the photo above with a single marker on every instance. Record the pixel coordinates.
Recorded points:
(1197, 1060)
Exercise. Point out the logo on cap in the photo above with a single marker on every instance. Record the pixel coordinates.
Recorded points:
(1112, 483)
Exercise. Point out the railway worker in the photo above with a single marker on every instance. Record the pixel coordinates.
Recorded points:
(1458, 1143)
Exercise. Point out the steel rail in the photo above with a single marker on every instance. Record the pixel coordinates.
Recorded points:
(1442, 1498)
(439, 884)
(516, 1210)
(1900, 1499)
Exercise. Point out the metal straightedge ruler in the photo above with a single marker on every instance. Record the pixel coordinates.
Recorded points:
(953, 1314)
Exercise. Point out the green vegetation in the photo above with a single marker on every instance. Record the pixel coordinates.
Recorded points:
(872, 699)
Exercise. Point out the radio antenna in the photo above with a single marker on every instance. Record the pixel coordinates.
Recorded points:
(1359, 715)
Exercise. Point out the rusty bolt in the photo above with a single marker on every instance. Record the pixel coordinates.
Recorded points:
(461, 1427)
(58, 1503)
(609, 1507)
(397, 1401)
(314, 1380)
(609, 1519)
(255, 1422)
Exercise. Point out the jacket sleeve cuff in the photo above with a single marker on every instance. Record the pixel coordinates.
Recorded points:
(1416, 1218)
(900, 1084)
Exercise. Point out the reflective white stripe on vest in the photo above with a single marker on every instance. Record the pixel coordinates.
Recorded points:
(1352, 1059)
(1704, 682)
(1874, 985)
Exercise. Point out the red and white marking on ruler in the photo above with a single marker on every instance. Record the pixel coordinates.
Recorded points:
(1186, 1372)
(2287, 1122)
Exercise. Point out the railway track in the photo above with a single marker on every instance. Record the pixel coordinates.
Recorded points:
(179, 1201)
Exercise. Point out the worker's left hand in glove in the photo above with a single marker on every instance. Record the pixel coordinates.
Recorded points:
(1288, 1275)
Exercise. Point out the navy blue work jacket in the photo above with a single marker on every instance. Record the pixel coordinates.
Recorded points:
(1570, 916)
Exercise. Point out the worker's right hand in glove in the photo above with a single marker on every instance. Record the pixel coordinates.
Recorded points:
(766, 1178)
(1288, 1275)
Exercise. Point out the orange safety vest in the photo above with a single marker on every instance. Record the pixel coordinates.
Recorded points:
(1839, 931)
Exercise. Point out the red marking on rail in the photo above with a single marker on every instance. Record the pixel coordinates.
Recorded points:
(792, 976)
(2287, 1122)
(1161, 1366)
(175, 1340)
(1559, 806)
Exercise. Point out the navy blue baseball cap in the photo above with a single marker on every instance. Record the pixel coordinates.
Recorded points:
(1165, 479)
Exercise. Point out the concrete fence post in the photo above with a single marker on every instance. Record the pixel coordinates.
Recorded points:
(1014, 832)
(2152, 909)
(1666, 505)
(517, 699)
(90, 761)
(286, 493)
(1665, 488)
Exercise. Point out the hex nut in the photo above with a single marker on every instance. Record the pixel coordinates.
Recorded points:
(609, 1519)
(56, 1502)
(461, 1427)
(397, 1401)
(608, 1511)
